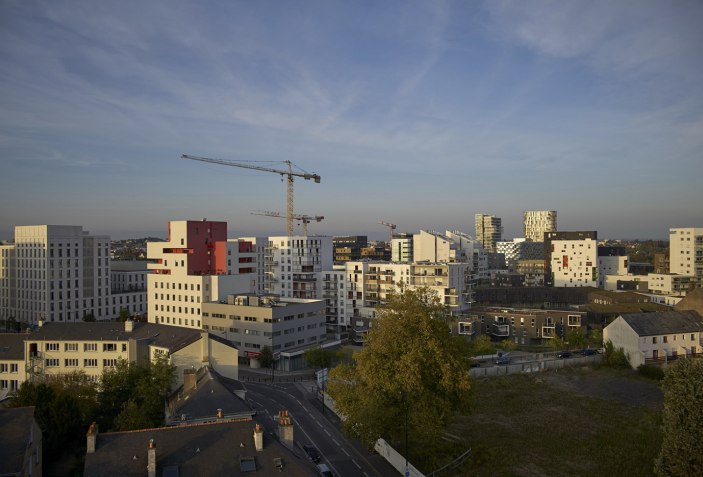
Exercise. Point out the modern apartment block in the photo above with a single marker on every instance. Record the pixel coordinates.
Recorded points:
(402, 248)
(611, 261)
(334, 292)
(670, 284)
(293, 265)
(686, 253)
(489, 231)
(532, 270)
(522, 326)
(128, 285)
(348, 248)
(55, 273)
(535, 223)
(288, 326)
(520, 249)
(571, 259)
(197, 264)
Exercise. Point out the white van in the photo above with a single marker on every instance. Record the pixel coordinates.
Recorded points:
(324, 471)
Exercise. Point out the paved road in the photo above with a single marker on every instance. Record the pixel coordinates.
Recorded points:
(345, 458)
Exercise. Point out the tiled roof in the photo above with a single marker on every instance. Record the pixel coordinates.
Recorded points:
(14, 438)
(12, 346)
(663, 323)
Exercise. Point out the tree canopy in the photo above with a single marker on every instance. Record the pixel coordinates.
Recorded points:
(410, 363)
(682, 447)
(319, 357)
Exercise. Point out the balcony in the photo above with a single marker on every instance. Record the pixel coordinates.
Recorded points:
(549, 331)
(500, 330)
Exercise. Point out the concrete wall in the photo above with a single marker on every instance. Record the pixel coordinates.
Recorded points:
(534, 367)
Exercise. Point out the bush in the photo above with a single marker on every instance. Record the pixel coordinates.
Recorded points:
(614, 358)
(652, 372)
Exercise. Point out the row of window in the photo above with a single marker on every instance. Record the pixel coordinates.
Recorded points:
(8, 367)
(180, 322)
(665, 338)
(106, 347)
(73, 363)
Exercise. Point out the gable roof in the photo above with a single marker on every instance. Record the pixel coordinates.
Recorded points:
(12, 346)
(663, 323)
(16, 424)
(211, 449)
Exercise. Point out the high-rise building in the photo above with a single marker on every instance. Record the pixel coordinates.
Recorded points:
(571, 259)
(55, 273)
(294, 264)
(402, 248)
(197, 264)
(489, 231)
(535, 223)
(348, 248)
(686, 253)
(611, 261)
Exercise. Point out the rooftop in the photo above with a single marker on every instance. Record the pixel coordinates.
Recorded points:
(668, 322)
(14, 438)
(12, 346)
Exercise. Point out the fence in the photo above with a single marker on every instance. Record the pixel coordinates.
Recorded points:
(548, 364)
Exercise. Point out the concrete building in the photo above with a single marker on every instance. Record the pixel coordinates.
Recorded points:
(535, 223)
(522, 326)
(348, 248)
(489, 231)
(197, 264)
(571, 259)
(520, 249)
(61, 348)
(334, 292)
(55, 273)
(20, 443)
(686, 253)
(402, 248)
(128, 285)
(293, 265)
(287, 326)
(532, 270)
(611, 261)
(669, 284)
(650, 338)
(12, 364)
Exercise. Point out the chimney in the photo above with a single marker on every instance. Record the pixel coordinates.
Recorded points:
(219, 413)
(189, 380)
(285, 428)
(151, 459)
(91, 438)
(40, 323)
(258, 438)
(129, 326)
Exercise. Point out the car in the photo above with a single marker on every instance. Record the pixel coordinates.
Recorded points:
(589, 352)
(564, 354)
(503, 360)
(312, 453)
(324, 471)
(475, 364)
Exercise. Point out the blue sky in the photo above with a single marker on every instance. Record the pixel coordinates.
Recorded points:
(417, 113)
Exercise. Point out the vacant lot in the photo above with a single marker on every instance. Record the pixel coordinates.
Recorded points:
(577, 422)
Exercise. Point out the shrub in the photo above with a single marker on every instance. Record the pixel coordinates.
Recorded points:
(652, 372)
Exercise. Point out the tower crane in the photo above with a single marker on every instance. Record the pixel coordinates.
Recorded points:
(284, 173)
(304, 219)
(391, 227)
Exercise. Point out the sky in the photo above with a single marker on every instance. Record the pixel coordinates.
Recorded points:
(421, 114)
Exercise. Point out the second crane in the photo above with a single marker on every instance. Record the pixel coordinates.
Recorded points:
(286, 173)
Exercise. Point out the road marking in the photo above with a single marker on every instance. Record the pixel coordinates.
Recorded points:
(345, 451)
(319, 424)
(328, 432)
(335, 441)
(356, 464)
(367, 475)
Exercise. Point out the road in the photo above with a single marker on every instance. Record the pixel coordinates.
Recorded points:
(345, 458)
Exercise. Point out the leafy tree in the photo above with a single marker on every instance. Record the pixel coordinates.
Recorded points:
(132, 396)
(266, 357)
(124, 314)
(575, 338)
(319, 357)
(557, 343)
(508, 345)
(614, 358)
(682, 448)
(595, 339)
(481, 346)
(411, 370)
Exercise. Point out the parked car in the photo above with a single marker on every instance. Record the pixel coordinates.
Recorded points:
(324, 471)
(589, 352)
(312, 453)
(564, 354)
(475, 364)
(503, 360)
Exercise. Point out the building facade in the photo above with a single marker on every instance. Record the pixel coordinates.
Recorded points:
(571, 258)
(535, 223)
(402, 248)
(686, 253)
(489, 231)
(293, 265)
(348, 248)
(611, 261)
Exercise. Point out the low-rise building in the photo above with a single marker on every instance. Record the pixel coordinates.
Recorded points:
(288, 326)
(12, 367)
(670, 284)
(656, 337)
(20, 443)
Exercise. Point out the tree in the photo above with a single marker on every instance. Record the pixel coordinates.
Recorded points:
(124, 314)
(320, 358)
(481, 346)
(266, 357)
(411, 372)
(557, 343)
(507, 345)
(614, 358)
(89, 317)
(682, 447)
(595, 338)
(575, 338)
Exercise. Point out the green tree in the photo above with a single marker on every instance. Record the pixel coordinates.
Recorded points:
(89, 317)
(412, 371)
(507, 345)
(557, 343)
(124, 314)
(266, 357)
(482, 345)
(614, 358)
(575, 338)
(682, 447)
(132, 396)
(595, 339)
(320, 358)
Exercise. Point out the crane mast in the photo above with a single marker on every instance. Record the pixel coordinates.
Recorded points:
(391, 228)
(289, 174)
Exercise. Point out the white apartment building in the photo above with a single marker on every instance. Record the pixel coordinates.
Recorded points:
(293, 265)
(402, 248)
(686, 253)
(197, 264)
(611, 261)
(369, 283)
(669, 284)
(489, 231)
(536, 222)
(334, 292)
(288, 326)
(128, 286)
(574, 263)
(55, 273)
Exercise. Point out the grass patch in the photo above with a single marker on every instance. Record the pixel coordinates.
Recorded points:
(525, 425)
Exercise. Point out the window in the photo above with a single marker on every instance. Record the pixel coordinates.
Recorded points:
(109, 363)
(52, 363)
(90, 363)
(654, 340)
(52, 346)
(90, 347)
(109, 347)
(71, 363)
(70, 347)
(666, 339)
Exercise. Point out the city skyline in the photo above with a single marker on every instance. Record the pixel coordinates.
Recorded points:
(418, 114)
